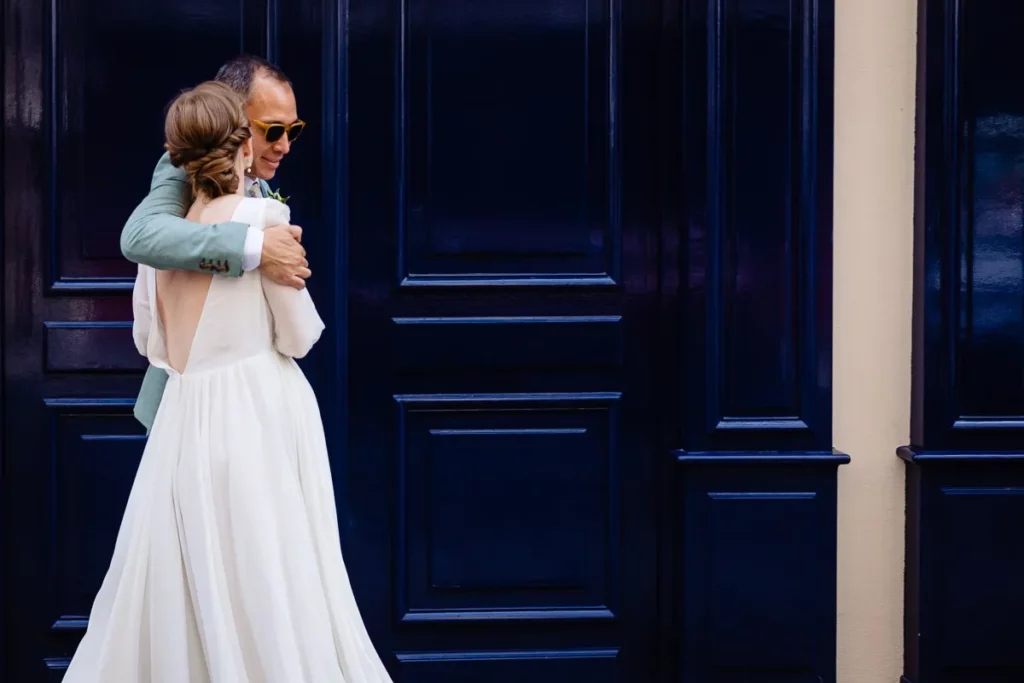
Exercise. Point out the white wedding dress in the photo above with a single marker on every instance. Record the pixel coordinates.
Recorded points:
(228, 566)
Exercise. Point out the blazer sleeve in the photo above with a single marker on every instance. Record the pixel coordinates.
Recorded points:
(158, 236)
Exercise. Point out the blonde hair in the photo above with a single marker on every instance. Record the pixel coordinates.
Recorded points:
(204, 128)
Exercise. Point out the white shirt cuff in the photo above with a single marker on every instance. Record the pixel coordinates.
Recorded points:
(252, 252)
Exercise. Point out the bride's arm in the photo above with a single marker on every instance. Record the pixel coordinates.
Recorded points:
(142, 310)
(297, 324)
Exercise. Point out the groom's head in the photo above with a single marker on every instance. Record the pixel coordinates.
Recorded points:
(270, 106)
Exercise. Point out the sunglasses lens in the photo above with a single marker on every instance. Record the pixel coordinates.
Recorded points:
(274, 133)
(295, 131)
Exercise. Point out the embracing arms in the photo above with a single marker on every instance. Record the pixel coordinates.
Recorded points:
(158, 236)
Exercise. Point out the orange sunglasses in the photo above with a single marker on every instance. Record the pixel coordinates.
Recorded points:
(273, 131)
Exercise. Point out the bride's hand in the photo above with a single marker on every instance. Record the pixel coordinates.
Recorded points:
(283, 259)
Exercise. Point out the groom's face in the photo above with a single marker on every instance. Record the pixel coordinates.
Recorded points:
(271, 102)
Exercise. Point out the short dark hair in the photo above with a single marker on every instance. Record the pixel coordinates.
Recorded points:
(240, 73)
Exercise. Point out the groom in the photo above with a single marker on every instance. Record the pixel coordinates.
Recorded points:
(157, 235)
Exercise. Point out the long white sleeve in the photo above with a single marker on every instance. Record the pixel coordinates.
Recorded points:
(142, 309)
(252, 252)
(297, 324)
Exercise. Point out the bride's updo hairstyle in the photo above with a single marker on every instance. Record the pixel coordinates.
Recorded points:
(204, 128)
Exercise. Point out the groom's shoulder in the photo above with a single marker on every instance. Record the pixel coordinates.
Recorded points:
(165, 170)
(163, 162)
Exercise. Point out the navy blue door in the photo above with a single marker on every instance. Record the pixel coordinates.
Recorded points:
(574, 260)
(502, 212)
(965, 461)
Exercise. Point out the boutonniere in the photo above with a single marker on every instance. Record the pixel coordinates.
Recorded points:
(276, 194)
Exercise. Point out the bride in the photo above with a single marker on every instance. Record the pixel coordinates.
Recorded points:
(227, 566)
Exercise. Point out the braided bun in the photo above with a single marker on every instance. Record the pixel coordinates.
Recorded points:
(204, 129)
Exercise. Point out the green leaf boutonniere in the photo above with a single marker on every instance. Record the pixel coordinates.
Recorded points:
(276, 194)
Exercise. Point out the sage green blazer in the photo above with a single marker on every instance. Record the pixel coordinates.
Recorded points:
(157, 235)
